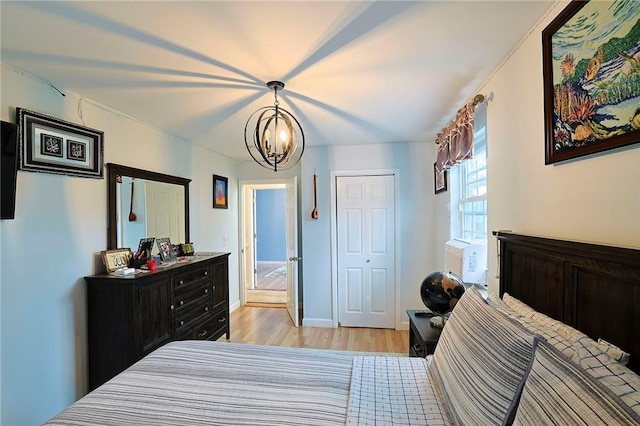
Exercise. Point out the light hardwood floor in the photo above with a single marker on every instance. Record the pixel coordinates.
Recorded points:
(272, 326)
(268, 277)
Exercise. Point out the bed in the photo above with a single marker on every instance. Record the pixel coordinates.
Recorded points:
(503, 359)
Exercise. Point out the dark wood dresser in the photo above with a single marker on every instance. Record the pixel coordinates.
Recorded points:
(130, 316)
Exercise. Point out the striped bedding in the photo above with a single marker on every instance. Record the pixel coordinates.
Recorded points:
(219, 383)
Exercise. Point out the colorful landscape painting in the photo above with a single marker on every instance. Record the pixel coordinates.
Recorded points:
(592, 78)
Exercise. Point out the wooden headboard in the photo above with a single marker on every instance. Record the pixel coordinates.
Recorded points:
(594, 288)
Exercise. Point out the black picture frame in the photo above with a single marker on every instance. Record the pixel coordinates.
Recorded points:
(50, 145)
(590, 103)
(439, 180)
(146, 246)
(220, 192)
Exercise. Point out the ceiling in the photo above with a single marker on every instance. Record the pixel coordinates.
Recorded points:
(355, 72)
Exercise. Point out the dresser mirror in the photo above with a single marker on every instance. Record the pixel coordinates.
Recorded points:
(145, 204)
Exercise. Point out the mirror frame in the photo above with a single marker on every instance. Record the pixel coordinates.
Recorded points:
(114, 170)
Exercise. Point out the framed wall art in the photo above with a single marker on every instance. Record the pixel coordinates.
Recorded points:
(591, 72)
(439, 179)
(220, 192)
(50, 145)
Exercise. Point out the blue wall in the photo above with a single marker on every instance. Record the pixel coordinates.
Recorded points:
(271, 225)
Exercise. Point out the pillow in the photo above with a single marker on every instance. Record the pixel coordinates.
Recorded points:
(495, 301)
(520, 308)
(558, 392)
(619, 379)
(480, 362)
(614, 352)
(558, 334)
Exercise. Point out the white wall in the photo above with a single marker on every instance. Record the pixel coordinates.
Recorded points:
(594, 199)
(416, 236)
(60, 225)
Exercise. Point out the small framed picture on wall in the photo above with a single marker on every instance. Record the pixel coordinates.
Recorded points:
(439, 179)
(220, 192)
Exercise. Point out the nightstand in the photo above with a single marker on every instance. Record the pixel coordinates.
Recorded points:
(423, 338)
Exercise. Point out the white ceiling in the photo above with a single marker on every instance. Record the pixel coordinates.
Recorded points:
(355, 72)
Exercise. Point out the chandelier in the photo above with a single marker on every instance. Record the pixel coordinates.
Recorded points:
(273, 136)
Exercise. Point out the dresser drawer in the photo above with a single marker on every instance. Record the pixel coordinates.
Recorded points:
(191, 294)
(184, 281)
(185, 316)
(213, 328)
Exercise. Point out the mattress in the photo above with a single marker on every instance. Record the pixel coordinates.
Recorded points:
(220, 383)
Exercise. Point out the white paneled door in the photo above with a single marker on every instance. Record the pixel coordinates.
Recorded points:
(165, 211)
(366, 251)
(292, 249)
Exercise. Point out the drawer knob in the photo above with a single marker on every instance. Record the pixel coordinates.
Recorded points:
(204, 333)
(206, 273)
(206, 290)
(206, 309)
(172, 307)
(181, 302)
(221, 320)
(181, 282)
(181, 322)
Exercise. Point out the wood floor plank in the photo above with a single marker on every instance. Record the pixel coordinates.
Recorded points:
(273, 327)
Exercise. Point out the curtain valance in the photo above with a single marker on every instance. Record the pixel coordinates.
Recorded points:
(455, 142)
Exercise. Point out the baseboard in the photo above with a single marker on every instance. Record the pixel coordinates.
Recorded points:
(234, 306)
(315, 322)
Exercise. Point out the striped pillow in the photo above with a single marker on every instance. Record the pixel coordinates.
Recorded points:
(619, 379)
(558, 392)
(480, 362)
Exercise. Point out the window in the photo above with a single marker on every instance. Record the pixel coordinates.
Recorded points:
(472, 203)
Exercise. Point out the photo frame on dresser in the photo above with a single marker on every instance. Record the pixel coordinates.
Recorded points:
(116, 259)
(146, 246)
(166, 249)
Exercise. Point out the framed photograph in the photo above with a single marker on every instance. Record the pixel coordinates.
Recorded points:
(116, 259)
(591, 71)
(166, 249)
(220, 192)
(146, 246)
(439, 179)
(50, 145)
(187, 249)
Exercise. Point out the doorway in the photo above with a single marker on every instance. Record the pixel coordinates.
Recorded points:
(269, 247)
(269, 251)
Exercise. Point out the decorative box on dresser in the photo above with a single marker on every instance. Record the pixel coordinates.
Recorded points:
(130, 316)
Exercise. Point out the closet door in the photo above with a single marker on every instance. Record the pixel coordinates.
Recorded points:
(366, 251)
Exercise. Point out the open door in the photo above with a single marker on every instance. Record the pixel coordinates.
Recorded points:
(292, 249)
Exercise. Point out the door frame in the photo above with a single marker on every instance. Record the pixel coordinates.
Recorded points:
(243, 186)
(334, 236)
